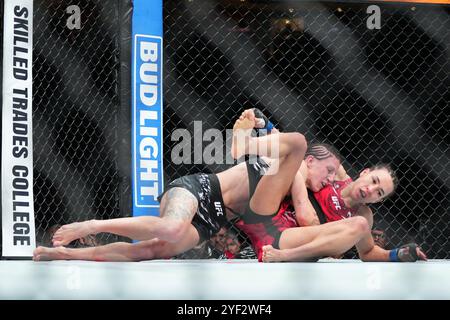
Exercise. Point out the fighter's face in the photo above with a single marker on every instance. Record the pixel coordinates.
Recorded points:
(321, 172)
(372, 186)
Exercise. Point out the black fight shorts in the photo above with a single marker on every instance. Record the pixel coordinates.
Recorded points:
(210, 216)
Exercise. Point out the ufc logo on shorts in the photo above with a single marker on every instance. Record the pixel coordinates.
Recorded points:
(335, 201)
(218, 207)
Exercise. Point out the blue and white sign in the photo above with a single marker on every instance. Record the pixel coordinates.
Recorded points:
(147, 107)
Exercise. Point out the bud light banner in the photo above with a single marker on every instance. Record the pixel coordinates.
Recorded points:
(147, 102)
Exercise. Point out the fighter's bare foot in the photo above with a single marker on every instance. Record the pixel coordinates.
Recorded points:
(242, 131)
(48, 254)
(69, 232)
(270, 254)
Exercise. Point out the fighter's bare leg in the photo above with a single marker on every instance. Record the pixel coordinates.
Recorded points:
(287, 148)
(122, 251)
(178, 207)
(275, 184)
(242, 131)
(273, 146)
(305, 243)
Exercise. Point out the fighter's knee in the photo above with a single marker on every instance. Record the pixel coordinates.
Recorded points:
(359, 225)
(141, 252)
(297, 141)
(175, 229)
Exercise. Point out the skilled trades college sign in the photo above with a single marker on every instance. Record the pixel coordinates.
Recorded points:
(18, 229)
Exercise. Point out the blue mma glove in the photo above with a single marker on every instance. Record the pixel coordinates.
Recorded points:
(406, 253)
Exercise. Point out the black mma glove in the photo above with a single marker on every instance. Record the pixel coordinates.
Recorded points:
(263, 122)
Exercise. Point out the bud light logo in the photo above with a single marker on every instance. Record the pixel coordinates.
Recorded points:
(147, 121)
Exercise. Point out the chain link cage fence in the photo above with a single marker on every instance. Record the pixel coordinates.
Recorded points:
(378, 95)
(375, 94)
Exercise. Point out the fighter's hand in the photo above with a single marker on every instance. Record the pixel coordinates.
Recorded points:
(410, 252)
(422, 255)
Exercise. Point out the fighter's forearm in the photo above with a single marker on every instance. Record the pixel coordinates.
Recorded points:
(304, 211)
(375, 254)
(410, 252)
(306, 215)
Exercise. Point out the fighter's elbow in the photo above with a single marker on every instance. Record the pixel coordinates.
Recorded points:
(365, 256)
(307, 222)
(302, 223)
